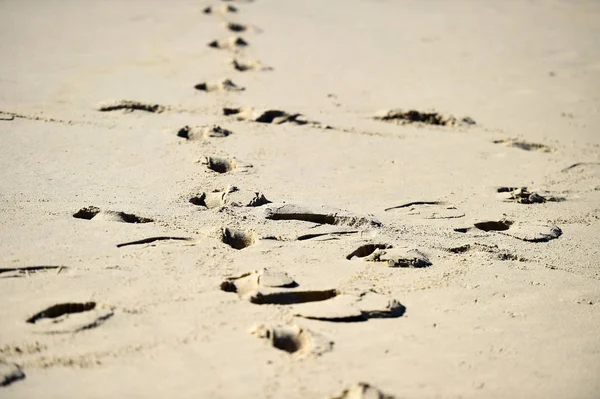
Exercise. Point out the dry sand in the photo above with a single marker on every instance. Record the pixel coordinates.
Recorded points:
(313, 194)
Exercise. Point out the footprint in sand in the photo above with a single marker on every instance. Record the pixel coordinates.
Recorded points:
(318, 215)
(428, 210)
(192, 133)
(522, 195)
(220, 9)
(362, 390)
(530, 232)
(276, 117)
(264, 286)
(248, 65)
(230, 196)
(293, 339)
(524, 145)
(94, 213)
(130, 106)
(352, 308)
(427, 118)
(500, 254)
(224, 85)
(241, 28)
(9, 373)
(70, 317)
(238, 239)
(219, 165)
(27, 270)
(229, 43)
(394, 257)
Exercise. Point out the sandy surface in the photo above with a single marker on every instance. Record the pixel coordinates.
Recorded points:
(506, 309)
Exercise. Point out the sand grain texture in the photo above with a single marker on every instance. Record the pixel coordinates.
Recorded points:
(196, 168)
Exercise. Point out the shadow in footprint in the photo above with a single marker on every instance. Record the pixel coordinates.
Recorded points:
(238, 239)
(501, 225)
(61, 309)
(153, 239)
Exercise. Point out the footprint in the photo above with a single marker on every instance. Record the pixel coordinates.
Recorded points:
(224, 85)
(220, 9)
(523, 145)
(352, 308)
(394, 257)
(229, 43)
(9, 373)
(276, 117)
(27, 270)
(580, 165)
(522, 195)
(238, 239)
(427, 118)
(251, 65)
(94, 213)
(219, 165)
(273, 288)
(70, 317)
(230, 196)
(249, 283)
(366, 250)
(530, 232)
(492, 249)
(429, 210)
(319, 216)
(153, 239)
(210, 200)
(203, 132)
(362, 390)
(500, 225)
(130, 106)
(293, 339)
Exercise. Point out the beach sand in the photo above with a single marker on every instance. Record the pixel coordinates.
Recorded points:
(286, 199)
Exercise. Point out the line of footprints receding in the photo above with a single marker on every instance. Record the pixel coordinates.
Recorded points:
(267, 286)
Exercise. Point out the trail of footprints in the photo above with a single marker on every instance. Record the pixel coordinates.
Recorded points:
(270, 287)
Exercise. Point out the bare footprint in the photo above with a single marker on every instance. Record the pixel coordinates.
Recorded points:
(362, 390)
(94, 213)
(220, 9)
(524, 145)
(394, 257)
(224, 85)
(238, 239)
(230, 196)
(530, 232)
(318, 216)
(522, 195)
(249, 65)
(130, 106)
(70, 317)
(9, 373)
(28, 270)
(202, 132)
(276, 117)
(229, 43)
(352, 308)
(427, 118)
(219, 165)
(293, 339)
(264, 287)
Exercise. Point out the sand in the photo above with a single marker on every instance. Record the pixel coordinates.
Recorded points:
(299, 199)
